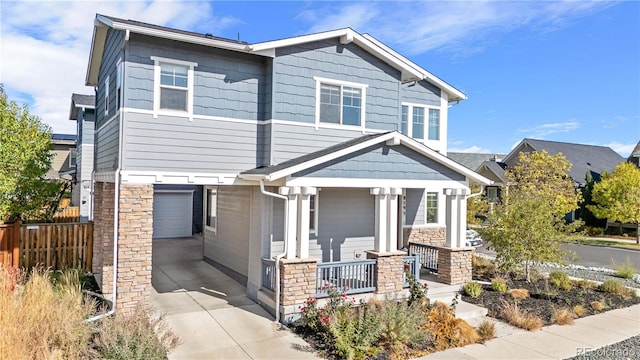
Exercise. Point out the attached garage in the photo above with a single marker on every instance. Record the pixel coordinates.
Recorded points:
(172, 213)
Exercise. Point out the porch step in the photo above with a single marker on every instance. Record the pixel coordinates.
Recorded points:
(441, 292)
(467, 311)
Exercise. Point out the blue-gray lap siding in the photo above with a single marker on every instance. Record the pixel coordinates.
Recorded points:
(106, 147)
(383, 162)
(420, 92)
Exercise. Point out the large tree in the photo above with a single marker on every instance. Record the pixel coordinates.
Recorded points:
(617, 196)
(530, 223)
(24, 160)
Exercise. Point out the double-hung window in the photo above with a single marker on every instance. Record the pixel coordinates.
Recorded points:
(431, 204)
(119, 82)
(106, 96)
(413, 122)
(340, 102)
(313, 214)
(173, 89)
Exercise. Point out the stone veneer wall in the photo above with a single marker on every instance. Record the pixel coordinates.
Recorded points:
(389, 272)
(98, 219)
(454, 265)
(435, 236)
(135, 231)
(297, 280)
(103, 236)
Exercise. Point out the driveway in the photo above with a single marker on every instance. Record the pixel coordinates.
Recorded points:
(211, 312)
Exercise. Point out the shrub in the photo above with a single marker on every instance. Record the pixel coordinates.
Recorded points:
(447, 331)
(617, 288)
(499, 285)
(473, 289)
(515, 317)
(354, 333)
(48, 321)
(486, 330)
(584, 284)
(560, 279)
(579, 310)
(625, 270)
(482, 267)
(598, 306)
(317, 319)
(398, 326)
(518, 294)
(562, 316)
(138, 335)
(417, 290)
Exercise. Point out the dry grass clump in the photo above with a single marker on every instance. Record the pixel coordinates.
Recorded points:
(625, 270)
(579, 310)
(584, 284)
(519, 319)
(562, 316)
(482, 267)
(560, 279)
(617, 288)
(598, 305)
(486, 330)
(43, 321)
(518, 294)
(447, 331)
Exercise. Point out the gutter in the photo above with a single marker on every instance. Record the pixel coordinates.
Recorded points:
(286, 243)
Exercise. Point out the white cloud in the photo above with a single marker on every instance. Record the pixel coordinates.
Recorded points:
(45, 45)
(471, 149)
(623, 149)
(540, 131)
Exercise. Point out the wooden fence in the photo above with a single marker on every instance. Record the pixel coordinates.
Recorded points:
(59, 246)
(67, 215)
(10, 244)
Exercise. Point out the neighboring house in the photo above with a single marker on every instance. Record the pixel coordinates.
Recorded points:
(634, 157)
(488, 165)
(323, 150)
(83, 112)
(63, 161)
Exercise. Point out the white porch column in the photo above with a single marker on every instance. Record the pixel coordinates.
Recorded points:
(290, 232)
(462, 217)
(303, 221)
(452, 218)
(380, 243)
(392, 219)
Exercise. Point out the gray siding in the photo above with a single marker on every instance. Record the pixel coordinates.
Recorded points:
(226, 83)
(346, 225)
(420, 93)
(197, 202)
(106, 147)
(87, 124)
(415, 207)
(112, 52)
(230, 245)
(383, 162)
(294, 89)
(176, 144)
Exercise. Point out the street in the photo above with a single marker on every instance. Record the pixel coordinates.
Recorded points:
(590, 255)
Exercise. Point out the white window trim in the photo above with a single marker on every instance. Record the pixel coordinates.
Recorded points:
(425, 135)
(119, 82)
(106, 96)
(341, 83)
(313, 228)
(73, 155)
(156, 87)
(438, 212)
(213, 229)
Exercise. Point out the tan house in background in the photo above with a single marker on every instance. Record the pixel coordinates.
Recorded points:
(63, 163)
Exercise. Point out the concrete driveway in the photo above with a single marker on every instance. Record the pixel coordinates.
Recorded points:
(211, 312)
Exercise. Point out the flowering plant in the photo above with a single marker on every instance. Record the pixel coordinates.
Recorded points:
(320, 318)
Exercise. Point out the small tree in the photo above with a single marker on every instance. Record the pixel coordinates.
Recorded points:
(24, 160)
(477, 207)
(529, 224)
(617, 196)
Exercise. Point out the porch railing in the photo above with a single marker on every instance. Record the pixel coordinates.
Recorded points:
(349, 277)
(411, 264)
(428, 255)
(268, 274)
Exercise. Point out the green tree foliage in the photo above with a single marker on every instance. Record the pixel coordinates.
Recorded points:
(529, 224)
(477, 207)
(617, 196)
(24, 160)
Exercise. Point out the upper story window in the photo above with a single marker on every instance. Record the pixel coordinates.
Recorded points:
(119, 81)
(173, 86)
(106, 96)
(412, 122)
(340, 102)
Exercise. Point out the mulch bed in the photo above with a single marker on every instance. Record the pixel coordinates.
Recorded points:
(546, 297)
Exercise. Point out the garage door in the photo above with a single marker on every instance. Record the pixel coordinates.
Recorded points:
(172, 214)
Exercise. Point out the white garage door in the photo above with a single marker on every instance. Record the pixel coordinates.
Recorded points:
(172, 214)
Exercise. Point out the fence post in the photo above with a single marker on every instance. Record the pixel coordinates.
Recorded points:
(15, 244)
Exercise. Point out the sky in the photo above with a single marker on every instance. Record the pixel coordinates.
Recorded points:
(561, 71)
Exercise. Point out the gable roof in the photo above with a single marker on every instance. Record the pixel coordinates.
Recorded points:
(63, 139)
(289, 167)
(635, 153)
(583, 157)
(79, 101)
(409, 70)
(496, 168)
(473, 160)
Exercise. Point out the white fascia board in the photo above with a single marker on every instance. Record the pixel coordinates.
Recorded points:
(95, 55)
(516, 150)
(454, 93)
(268, 45)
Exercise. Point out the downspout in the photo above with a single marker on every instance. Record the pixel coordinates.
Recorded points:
(476, 194)
(286, 243)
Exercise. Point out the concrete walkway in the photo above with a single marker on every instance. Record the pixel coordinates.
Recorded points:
(211, 312)
(553, 342)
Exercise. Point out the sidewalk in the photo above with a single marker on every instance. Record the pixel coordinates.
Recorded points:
(554, 342)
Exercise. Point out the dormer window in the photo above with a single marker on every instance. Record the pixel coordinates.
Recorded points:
(340, 102)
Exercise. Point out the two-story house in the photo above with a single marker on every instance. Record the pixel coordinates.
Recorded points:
(318, 158)
(83, 113)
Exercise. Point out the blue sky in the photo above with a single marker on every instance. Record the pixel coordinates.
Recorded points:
(563, 71)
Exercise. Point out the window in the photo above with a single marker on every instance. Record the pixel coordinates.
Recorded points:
(432, 208)
(73, 154)
(492, 194)
(412, 122)
(173, 91)
(313, 213)
(340, 103)
(119, 81)
(211, 201)
(106, 96)
(434, 124)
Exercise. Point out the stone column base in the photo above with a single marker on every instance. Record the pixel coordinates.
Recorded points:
(389, 271)
(454, 265)
(297, 280)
